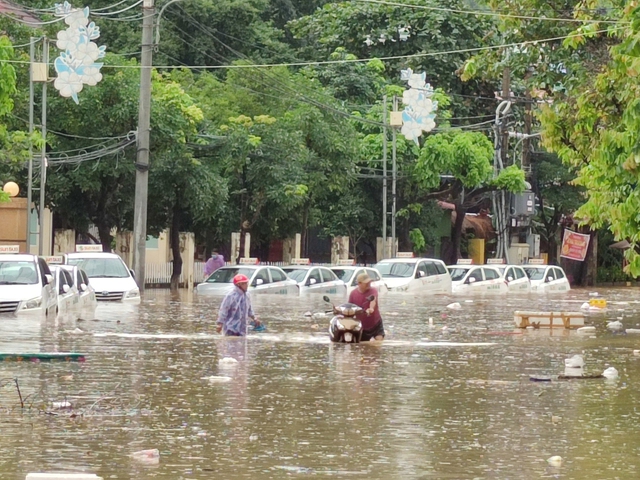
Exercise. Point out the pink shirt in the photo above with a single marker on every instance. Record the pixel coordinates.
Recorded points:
(360, 299)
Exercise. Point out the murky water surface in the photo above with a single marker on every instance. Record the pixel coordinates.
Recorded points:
(454, 402)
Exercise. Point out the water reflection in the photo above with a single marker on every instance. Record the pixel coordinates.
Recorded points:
(451, 398)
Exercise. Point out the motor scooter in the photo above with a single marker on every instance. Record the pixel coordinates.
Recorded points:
(344, 326)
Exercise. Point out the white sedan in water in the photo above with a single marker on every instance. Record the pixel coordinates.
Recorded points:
(515, 277)
(476, 279)
(262, 279)
(547, 278)
(312, 279)
(349, 274)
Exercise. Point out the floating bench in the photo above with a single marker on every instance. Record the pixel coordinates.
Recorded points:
(42, 357)
(549, 319)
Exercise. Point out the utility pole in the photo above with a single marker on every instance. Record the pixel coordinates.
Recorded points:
(506, 95)
(384, 177)
(394, 174)
(526, 143)
(43, 152)
(142, 161)
(32, 57)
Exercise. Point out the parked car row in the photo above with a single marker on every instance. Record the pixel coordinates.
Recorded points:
(29, 284)
(413, 275)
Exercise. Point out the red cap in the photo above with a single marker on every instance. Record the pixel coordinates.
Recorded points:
(240, 278)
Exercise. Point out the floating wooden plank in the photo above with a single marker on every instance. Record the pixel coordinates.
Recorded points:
(43, 357)
(549, 319)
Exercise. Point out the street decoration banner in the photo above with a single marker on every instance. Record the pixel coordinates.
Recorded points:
(574, 245)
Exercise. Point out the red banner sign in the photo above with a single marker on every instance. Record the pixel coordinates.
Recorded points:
(575, 245)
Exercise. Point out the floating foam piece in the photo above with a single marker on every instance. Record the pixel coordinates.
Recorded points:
(555, 461)
(615, 326)
(586, 330)
(454, 306)
(574, 362)
(610, 373)
(150, 457)
(632, 330)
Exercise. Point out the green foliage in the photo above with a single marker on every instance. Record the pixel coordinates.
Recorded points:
(510, 179)
(418, 241)
(465, 155)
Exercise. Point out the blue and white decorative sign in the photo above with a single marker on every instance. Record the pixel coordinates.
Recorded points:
(76, 66)
(419, 114)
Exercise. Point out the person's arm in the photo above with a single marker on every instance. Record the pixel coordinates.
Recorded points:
(372, 304)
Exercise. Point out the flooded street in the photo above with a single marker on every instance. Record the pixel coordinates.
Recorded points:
(430, 402)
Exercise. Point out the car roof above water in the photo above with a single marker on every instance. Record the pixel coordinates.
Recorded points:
(18, 257)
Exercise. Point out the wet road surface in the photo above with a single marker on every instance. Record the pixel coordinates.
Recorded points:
(429, 402)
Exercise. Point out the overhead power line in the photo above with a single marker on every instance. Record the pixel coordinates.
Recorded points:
(351, 60)
(488, 13)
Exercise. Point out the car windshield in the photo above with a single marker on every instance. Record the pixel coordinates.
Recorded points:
(457, 273)
(296, 274)
(343, 274)
(396, 269)
(225, 275)
(18, 273)
(101, 267)
(535, 273)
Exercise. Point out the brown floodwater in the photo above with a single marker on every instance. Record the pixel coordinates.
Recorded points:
(429, 402)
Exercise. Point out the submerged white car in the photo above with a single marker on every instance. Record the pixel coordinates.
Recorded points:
(262, 279)
(108, 274)
(515, 277)
(476, 279)
(67, 292)
(415, 275)
(547, 278)
(349, 274)
(26, 285)
(85, 294)
(312, 279)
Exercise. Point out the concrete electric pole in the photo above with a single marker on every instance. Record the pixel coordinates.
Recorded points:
(142, 161)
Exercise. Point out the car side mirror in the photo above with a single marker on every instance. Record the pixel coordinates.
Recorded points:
(509, 279)
(133, 274)
(66, 288)
(312, 281)
(420, 274)
(259, 281)
(471, 280)
(49, 278)
(549, 278)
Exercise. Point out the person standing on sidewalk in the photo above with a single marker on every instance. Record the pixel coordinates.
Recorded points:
(235, 309)
(214, 263)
